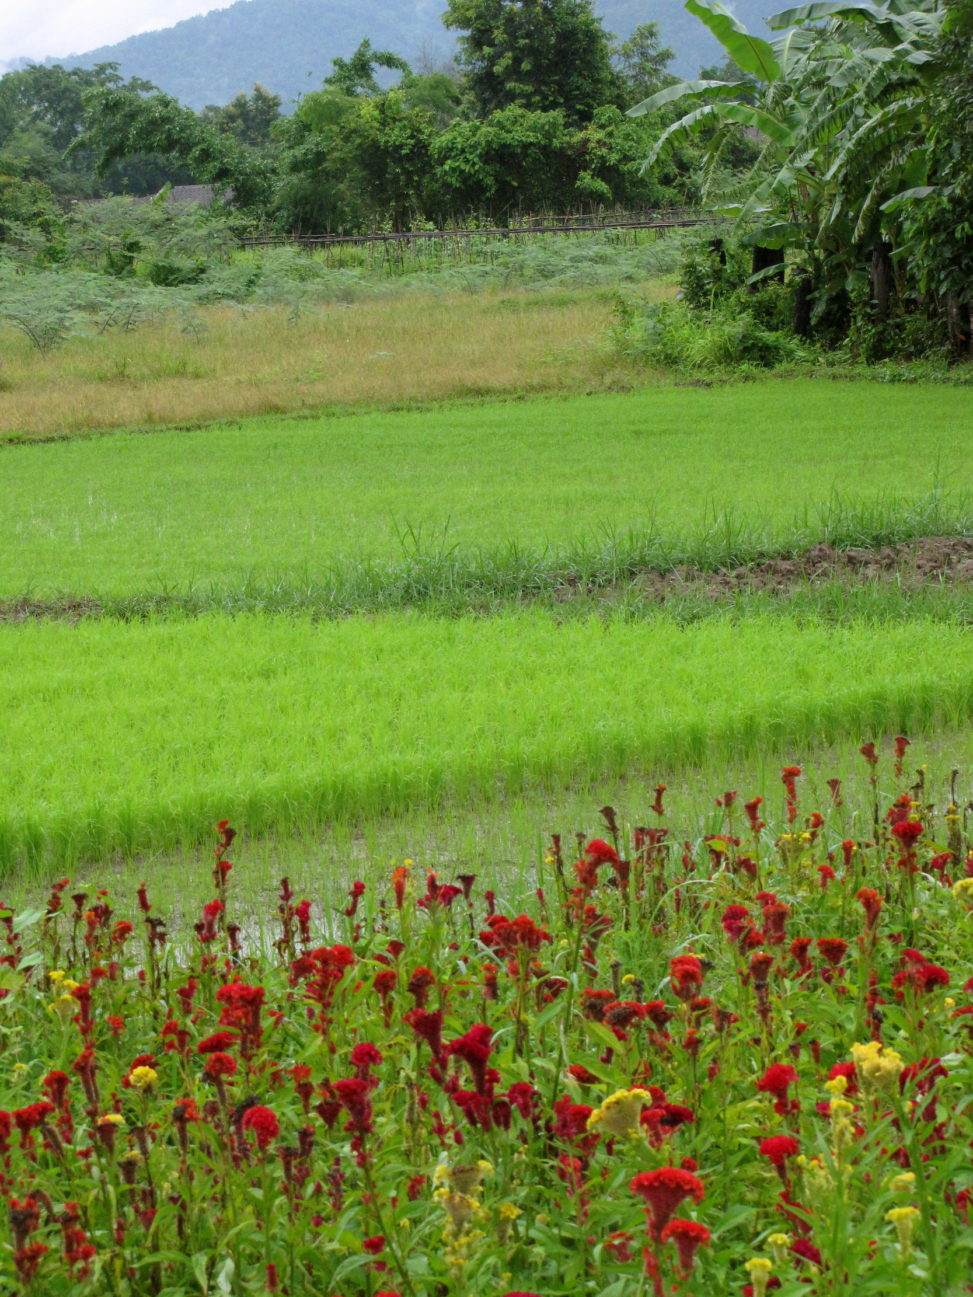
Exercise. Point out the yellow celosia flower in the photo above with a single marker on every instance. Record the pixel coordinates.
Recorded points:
(65, 1006)
(628, 979)
(963, 890)
(143, 1078)
(904, 1219)
(619, 1114)
(459, 1207)
(779, 1245)
(759, 1269)
(56, 975)
(509, 1212)
(19, 1069)
(818, 1181)
(837, 1085)
(878, 1068)
(904, 1182)
(463, 1179)
(111, 1119)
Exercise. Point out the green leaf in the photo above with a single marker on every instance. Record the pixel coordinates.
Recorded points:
(908, 196)
(200, 1264)
(749, 53)
(27, 918)
(684, 90)
(812, 13)
(599, 1032)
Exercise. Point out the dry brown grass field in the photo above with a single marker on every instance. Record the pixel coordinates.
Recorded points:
(385, 351)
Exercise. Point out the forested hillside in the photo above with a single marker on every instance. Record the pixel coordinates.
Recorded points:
(288, 45)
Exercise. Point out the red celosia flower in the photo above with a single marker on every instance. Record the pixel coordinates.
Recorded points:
(400, 877)
(219, 1064)
(600, 852)
(871, 903)
(263, 1122)
(736, 919)
(688, 1236)
(428, 1026)
(662, 1191)
(513, 935)
(220, 1040)
(374, 1245)
(618, 1245)
(752, 809)
(474, 1048)
(776, 1081)
(353, 1097)
(241, 1010)
(418, 985)
(364, 1057)
(833, 949)
(356, 893)
(29, 1118)
(55, 1085)
(924, 977)
(907, 831)
(775, 922)
(778, 1148)
(777, 1078)
(761, 962)
(685, 976)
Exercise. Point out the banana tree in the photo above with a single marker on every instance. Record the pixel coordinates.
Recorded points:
(840, 108)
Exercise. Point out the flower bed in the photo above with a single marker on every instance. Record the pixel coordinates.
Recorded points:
(734, 1064)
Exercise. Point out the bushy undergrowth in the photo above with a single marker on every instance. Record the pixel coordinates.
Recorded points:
(710, 1065)
(145, 261)
(672, 335)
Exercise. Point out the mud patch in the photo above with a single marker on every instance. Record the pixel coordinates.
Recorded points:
(929, 560)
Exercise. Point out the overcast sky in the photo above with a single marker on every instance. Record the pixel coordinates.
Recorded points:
(63, 27)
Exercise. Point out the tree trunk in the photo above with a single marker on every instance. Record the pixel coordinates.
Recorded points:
(882, 278)
(802, 305)
(764, 259)
(960, 331)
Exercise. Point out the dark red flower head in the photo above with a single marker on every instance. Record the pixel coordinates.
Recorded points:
(600, 852)
(263, 1122)
(688, 1236)
(663, 1190)
(778, 1148)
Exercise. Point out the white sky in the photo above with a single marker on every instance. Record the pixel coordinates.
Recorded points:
(62, 27)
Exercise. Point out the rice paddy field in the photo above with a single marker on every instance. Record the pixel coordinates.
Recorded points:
(438, 666)
(318, 624)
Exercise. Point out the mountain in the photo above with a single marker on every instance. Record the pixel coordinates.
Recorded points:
(288, 45)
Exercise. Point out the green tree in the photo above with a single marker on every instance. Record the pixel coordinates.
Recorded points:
(122, 124)
(538, 55)
(248, 118)
(356, 75)
(510, 162)
(42, 119)
(641, 63)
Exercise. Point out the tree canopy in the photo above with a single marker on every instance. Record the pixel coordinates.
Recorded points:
(541, 55)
